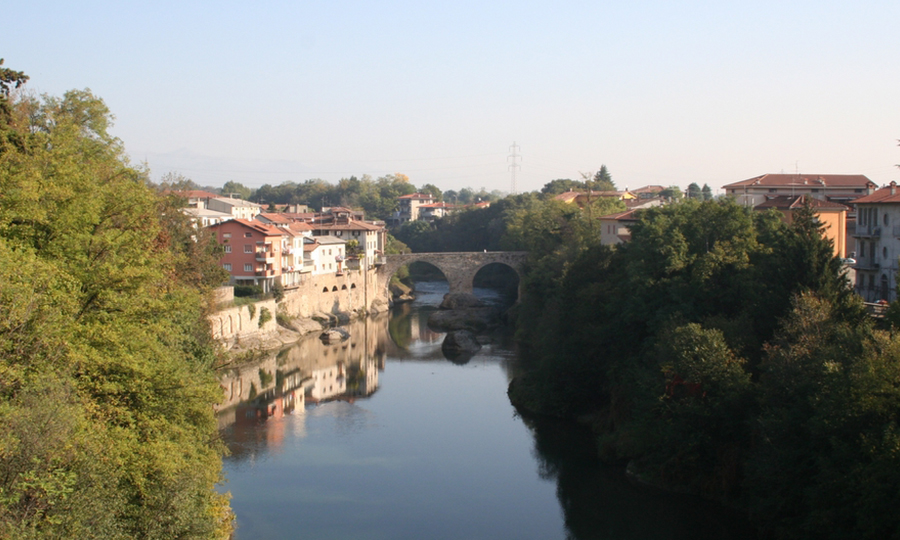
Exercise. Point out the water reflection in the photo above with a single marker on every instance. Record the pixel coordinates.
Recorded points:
(284, 383)
(437, 453)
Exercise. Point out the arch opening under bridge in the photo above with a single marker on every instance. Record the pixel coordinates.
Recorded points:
(459, 268)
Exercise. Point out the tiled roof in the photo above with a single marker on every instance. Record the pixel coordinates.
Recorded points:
(647, 189)
(237, 202)
(416, 196)
(789, 202)
(888, 194)
(299, 226)
(810, 180)
(353, 225)
(275, 217)
(438, 205)
(192, 193)
(568, 196)
(628, 215)
(257, 226)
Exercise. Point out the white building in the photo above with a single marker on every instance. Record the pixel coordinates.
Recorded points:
(877, 237)
(238, 208)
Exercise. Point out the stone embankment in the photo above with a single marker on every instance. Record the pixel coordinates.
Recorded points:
(318, 302)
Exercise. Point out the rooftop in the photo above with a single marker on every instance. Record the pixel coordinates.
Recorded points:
(810, 180)
(887, 194)
(792, 202)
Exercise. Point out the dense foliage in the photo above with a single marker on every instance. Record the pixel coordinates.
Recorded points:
(525, 222)
(106, 380)
(721, 351)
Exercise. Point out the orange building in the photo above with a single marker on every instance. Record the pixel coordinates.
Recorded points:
(832, 215)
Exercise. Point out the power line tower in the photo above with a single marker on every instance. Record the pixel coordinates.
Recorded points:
(514, 158)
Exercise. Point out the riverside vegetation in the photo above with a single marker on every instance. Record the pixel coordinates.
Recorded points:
(719, 352)
(107, 367)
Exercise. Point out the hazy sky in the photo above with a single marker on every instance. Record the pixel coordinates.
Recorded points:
(661, 92)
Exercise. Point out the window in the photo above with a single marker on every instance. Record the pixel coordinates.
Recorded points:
(248, 235)
(226, 235)
(862, 249)
(885, 220)
(772, 190)
(227, 248)
(248, 248)
(884, 252)
(248, 268)
(227, 266)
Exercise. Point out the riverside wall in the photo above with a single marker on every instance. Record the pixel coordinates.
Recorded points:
(326, 298)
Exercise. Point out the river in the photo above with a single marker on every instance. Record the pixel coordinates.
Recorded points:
(381, 437)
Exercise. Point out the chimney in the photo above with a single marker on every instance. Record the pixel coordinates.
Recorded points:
(893, 187)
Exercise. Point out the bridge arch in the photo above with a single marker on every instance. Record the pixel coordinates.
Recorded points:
(458, 268)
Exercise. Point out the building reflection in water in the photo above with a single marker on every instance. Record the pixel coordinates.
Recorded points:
(309, 372)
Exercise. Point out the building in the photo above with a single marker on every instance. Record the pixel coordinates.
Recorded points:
(196, 198)
(647, 192)
(430, 212)
(840, 188)
(877, 235)
(831, 215)
(238, 208)
(371, 237)
(294, 265)
(204, 217)
(409, 206)
(615, 228)
(583, 198)
(326, 254)
(252, 252)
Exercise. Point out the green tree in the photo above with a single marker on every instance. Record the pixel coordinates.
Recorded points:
(694, 192)
(671, 192)
(706, 193)
(236, 189)
(561, 185)
(104, 326)
(602, 180)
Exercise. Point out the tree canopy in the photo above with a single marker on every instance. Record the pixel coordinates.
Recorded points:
(106, 379)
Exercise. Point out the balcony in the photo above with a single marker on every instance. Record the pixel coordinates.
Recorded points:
(868, 231)
(265, 273)
(380, 260)
(265, 256)
(867, 263)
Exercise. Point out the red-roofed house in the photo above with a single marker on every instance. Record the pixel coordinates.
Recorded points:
(841, 188)
(878, 244)
(409, 206)
(252, 252)
(430, 212)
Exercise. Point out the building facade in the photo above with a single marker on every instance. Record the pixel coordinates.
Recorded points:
(877, 236)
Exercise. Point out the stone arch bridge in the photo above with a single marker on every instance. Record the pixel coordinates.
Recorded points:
(458, 268)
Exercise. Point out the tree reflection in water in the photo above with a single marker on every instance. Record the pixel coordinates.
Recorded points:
(600, 502)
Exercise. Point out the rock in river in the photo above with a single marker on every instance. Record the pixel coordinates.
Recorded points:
(334, 335)
(474, 319)
(461, 301)
(458, 343)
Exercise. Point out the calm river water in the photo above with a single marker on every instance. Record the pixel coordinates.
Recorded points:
(381, 437)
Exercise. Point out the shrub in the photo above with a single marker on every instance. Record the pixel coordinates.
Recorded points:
(264, 316)
(247, 290)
